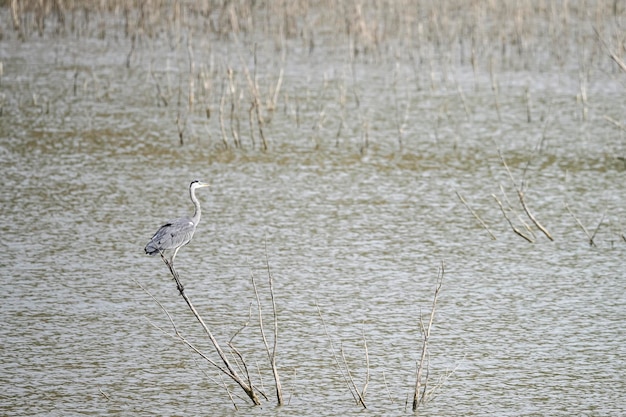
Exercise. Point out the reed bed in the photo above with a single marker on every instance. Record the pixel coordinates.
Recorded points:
(514, 33)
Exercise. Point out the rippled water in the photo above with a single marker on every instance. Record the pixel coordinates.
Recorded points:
(90, 172)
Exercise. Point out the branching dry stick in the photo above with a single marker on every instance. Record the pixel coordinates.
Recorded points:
(239, 359)
(515, 229)
(271, 353)
(532, 217)
(231, 372)
(615, 122)
(351, 387)
(620, 63)
(361, 400)
(584, 229)
(519, 216)
(417, 398)
(482, 223)
(273, 99)
(520, 194)
(177, 335)
(593, 235)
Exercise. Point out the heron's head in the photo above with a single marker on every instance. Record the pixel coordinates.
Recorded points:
(198, 184)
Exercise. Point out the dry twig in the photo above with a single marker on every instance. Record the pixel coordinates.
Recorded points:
(419, 395)
(482, 223)
(271, 353)
(584, 229)
(347, 377)
(520, 194)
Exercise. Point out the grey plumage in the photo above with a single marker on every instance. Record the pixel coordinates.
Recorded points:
(176, 233)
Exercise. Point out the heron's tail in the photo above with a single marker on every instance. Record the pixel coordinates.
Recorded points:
(151, 248)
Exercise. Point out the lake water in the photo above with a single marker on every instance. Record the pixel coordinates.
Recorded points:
(353, 221)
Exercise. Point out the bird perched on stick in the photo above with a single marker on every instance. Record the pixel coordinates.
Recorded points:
(176, 233)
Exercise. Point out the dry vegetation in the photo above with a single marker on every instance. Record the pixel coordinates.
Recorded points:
(513, 32)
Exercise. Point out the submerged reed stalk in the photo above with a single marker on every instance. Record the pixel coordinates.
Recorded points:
(420, 394)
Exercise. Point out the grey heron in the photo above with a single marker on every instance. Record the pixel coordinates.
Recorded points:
(176, 233)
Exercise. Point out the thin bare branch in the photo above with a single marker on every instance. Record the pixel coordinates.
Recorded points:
(520, 194)
(417, 398)
(615, 122)
(515, 229)
(620, 63)
(593, 235)
(334, 354)
(482, 223)
(271, 353)
(584, 229)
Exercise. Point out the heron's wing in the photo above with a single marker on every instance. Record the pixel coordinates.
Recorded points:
(171, 235)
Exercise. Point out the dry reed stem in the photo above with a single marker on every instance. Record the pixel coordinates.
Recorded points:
(582, 81)
(235, 353)
(615, 122)
(345, 374)
(529, 118)
(361, 395)
(522, 201)
(273, 97)
(620, 63)
(192, 70)
(593, 235)
(400, 124)
(234, 118)
(159, 91)
(584, 229)
(256, 101)
(387, 387)
(532, 217)
(482, 223)
(515, 229)
(271, 353)
(221, 115)
(518, 215)
(419, 395)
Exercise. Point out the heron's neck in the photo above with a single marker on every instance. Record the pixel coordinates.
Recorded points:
(196, 204)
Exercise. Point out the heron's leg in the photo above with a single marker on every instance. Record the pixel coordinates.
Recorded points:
(174, 255)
